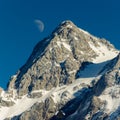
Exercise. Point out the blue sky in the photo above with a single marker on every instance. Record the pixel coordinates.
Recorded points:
(19, 33)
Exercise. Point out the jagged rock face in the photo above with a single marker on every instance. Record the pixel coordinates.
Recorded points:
(40, 111)
(55, 60)
(6, 103)
(71, 75)
(107, 90)
(103, 102)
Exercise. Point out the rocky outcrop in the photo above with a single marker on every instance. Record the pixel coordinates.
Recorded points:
(6, 103)
(103, 103)
(39, 111)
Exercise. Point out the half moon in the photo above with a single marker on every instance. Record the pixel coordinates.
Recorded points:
(40, 25)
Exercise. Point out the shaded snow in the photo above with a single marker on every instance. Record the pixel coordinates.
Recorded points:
(92, 70)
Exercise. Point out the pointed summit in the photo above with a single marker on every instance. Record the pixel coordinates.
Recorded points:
(56, 59)
(66, 23)
(61, 75)
(64, 26)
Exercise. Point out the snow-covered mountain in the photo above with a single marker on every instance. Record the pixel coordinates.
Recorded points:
(70, 75)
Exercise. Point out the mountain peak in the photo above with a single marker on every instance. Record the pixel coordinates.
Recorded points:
(61, 69)
(66, 23)
(69, 28)
(56, 60)
(64, 26)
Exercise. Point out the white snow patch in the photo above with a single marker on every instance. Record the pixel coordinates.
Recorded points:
(2, 94)
(59, 43)
(22, 105)
(66, 46)
(62, 42)
(104, 54)
(69, 26)
(13, 76)
(56, 64)
(85, 32)
(75, 38)
(73, 71)
(112, 97)
(109, 101)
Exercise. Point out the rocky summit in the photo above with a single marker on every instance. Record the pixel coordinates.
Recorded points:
(70, 75)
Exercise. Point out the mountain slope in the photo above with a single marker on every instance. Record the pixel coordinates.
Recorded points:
(103, 102)
(67, 77)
